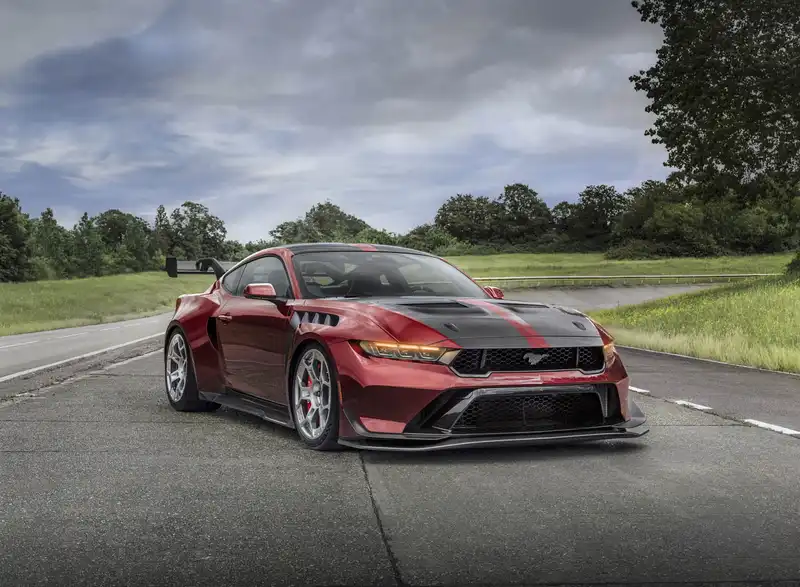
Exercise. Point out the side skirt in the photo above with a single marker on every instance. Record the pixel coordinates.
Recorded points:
(265, 409)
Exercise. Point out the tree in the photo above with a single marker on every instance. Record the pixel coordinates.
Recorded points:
(15, 252)
(375, 236)
(196, 232)
(50, 243)
(87, 249)
(470, 219)
(323, 222)
(295, 231)
(598, 210)
(428, 237)
(525, 216)
(162, 231)
(329, 221)
(725, 89)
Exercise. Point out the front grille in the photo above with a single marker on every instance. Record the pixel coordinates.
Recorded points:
(532, 412)
(483, 361)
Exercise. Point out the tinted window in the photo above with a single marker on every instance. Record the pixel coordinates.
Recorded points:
(368, 274)
(267, 269)
(231, 280)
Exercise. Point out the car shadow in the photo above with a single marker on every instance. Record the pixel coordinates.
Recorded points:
(245, 419)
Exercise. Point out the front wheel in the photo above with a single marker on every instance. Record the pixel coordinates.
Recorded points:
(314, 399)
(180, 380)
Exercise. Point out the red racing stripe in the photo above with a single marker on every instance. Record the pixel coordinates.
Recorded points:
(364, 247)
(535, 340)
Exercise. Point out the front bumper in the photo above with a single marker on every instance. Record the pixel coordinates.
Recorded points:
(436, 410)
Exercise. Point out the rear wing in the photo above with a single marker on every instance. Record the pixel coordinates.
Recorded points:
(201, 266)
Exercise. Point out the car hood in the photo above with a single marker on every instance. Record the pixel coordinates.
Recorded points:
(482, 323)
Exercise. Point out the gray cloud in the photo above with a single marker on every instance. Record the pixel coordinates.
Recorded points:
(260, 109)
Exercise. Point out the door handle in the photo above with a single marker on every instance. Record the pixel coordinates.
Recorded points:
(225, 318)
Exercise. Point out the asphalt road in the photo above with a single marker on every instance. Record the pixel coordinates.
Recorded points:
(103, 484)
(22, 352)
(31, 351)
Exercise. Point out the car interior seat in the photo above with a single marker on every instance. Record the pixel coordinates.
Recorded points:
(280, 282)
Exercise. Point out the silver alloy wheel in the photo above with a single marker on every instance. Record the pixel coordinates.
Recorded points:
(176, 367)
(311, 396)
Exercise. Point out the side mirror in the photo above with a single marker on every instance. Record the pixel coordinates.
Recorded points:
(494, 292)
(260, 291)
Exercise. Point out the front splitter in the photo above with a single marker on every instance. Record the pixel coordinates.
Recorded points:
(494, 441)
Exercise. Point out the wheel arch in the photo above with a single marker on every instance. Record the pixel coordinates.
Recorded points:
(295, 356)
(171, 328)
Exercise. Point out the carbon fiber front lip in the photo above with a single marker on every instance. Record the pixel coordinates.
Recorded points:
(497, 441)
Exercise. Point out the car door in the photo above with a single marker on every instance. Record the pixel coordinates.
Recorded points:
(255, 335)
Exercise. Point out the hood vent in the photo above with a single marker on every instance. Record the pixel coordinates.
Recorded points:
(444, 309)
(531, 308)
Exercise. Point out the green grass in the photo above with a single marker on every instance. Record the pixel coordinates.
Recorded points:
(755, 323)
(596, 264)
(47, 305)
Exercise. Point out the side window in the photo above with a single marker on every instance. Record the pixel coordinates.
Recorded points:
(266, 269)
(231, 280)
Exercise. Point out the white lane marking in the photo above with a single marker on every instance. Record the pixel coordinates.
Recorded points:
(637, 389)
(8, 346)
(72, 335)
(132, 359)
(772, 427)
(683, 402)
(715, 362)
(107, 329)
(77, 358)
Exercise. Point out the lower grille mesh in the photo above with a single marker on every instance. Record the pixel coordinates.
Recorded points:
(531, 412)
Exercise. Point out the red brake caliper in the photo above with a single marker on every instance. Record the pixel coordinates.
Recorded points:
(308, 402)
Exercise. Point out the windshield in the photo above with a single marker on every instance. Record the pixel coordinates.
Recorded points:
(367, 274)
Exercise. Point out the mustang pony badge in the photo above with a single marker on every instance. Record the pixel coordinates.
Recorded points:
(533, 358)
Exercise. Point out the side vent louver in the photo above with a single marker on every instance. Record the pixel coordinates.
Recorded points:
(318, 318)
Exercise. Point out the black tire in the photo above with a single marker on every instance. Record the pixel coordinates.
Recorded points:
(327, 440)
(188, 399)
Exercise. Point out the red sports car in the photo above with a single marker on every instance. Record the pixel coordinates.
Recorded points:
(387, 348)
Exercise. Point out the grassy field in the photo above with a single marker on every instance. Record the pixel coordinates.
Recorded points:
(596, 264)
(46, 305)
(755, 323)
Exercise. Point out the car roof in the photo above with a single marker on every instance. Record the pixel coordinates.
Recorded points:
(345, 247)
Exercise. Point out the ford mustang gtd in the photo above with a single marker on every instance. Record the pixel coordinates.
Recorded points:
(387, 348)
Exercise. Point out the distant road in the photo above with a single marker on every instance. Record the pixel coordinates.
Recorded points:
(22, 352)
(601, 298)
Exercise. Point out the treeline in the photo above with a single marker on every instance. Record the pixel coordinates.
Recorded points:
(669, 218)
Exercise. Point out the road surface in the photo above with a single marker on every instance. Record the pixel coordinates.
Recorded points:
(23, 352)
(30, 351)
(103, 484)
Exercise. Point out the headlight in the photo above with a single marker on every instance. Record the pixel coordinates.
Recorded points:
(408, 352)
(608, 352)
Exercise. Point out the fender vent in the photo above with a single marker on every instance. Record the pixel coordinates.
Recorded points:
(317, 318)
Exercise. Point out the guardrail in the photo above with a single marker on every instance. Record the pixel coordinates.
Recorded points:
(585, 279)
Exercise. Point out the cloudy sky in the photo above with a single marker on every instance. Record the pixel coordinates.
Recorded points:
(260, 108)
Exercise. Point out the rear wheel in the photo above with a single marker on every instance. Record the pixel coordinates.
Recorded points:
(314, 399)
(181, 384)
